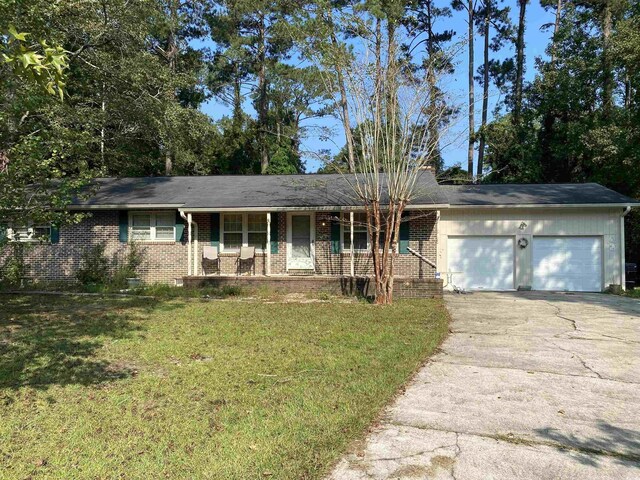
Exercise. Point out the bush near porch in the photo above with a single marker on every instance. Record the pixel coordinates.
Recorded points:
(147, 388)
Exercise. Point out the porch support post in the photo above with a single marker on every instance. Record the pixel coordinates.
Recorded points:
(189, 237)
(353, 260)
(268, 246)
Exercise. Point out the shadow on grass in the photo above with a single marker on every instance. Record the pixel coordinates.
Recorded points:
(621, 444)
(55, 341)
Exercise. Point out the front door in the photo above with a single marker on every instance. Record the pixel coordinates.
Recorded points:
(301, 241)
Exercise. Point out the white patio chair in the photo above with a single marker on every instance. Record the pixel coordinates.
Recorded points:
(247, 255)
(210, 256)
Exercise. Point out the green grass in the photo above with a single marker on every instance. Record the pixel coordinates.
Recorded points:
(145, 388)
(635, 293)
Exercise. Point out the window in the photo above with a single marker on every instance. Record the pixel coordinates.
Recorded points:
(31, 233)
(232, 237)
(360, 233)
(257, 230)
(152, 226)
(243, 229)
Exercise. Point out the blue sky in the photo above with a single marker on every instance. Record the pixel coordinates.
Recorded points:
(536, 43)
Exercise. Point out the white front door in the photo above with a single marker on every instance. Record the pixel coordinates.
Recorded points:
(301, 235)
(567, 263)
(481, 263)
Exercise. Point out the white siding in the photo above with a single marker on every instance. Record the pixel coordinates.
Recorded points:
(604, 222)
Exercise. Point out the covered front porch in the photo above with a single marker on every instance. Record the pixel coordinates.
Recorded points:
(289, 242)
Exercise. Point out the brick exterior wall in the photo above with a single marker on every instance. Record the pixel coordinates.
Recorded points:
(165, 262)
(422, 238)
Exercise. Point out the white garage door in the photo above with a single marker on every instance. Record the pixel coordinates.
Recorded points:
(481, 263)
(567, 263)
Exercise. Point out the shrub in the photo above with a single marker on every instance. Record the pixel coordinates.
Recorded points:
(94, 266)
(14, 267)
(129, 267)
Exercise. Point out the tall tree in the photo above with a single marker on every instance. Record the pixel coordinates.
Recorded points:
(430, 46)
(490, 15)
(470, 7)
(520, 45)
(254, 40)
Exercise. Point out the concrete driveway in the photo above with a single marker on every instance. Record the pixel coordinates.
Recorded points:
(528, 386)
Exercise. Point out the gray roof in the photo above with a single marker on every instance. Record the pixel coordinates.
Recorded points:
(318, 191)
(241, 191)
(533, 194)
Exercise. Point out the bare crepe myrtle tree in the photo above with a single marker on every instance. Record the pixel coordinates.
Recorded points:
(394, 112)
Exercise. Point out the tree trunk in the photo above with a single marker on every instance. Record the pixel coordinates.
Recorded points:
(556, 28)
(517, 103)
(344, 106)
(432, 124)
(237, 100)
(172, 60)
(262, 98)
(607, 70)
(472, 123)
(485, 86)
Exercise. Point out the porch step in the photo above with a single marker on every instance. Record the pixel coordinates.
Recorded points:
(301, 272)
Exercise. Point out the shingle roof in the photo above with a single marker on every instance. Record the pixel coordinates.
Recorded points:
(533, 194)
(324, 191)
(241, 191)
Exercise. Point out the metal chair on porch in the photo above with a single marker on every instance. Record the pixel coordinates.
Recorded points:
(247, 255)
(210, 256)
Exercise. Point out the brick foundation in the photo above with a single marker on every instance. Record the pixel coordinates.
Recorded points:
(403, 287)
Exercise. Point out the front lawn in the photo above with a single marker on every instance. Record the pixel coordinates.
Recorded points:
(138, 388)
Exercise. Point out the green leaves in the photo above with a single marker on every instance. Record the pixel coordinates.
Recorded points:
(40, 64)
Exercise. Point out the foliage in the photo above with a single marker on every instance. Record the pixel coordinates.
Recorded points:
(197, 384)
(128, 268)
(94, 266)
(41, 64)
(580, 120)
(14, 268)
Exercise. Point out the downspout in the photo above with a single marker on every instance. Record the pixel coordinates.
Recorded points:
(623, 273)
(188, 219)
(195, 249)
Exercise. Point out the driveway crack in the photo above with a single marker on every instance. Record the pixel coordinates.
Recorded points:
(417, 454)
(580, 359)
(558, 313)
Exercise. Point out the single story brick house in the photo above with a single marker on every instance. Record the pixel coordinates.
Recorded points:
(476, 237)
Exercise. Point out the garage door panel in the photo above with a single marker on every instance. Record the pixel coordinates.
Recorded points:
(567, 263)
(481, 263)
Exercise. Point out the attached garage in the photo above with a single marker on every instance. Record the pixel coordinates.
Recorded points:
(567, 263)
(481, 263)
(543, 237)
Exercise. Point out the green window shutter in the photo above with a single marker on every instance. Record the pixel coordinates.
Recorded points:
(179, 227)
(274, 233)
(55, 234)
(215, 229)
(403, 246)
(124, 226)
(335, 232)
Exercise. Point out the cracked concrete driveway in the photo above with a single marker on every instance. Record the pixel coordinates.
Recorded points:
(527, 386)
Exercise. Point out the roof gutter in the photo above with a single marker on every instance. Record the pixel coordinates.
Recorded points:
(544, 205)
(126, 206)
(330, 208)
